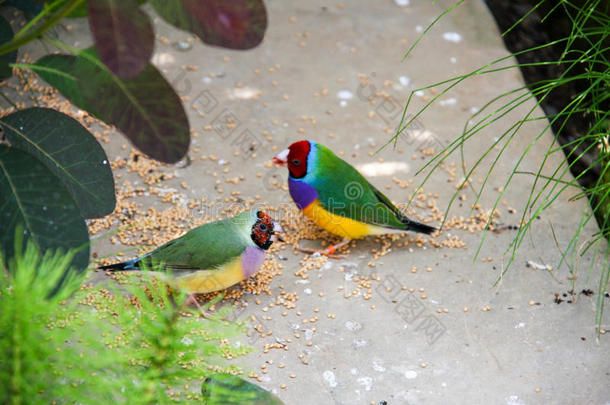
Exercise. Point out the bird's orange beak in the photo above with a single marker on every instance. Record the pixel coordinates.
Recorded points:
(281, 158)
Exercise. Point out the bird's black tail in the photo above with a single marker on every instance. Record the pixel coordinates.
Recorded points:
(123, 266)
(411, 225)
(417, 226)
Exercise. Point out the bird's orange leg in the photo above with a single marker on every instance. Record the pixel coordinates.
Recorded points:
(329, 251)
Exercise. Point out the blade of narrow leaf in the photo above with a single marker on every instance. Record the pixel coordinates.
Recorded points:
(6, 34)
(236, 24)
(70, 151)
(33, 197)
(123, 35)
(145, 108)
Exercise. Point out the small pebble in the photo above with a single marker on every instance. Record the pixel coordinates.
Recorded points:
(182, 46)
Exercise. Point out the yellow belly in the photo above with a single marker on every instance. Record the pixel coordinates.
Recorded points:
(338, 225)
(205, 281)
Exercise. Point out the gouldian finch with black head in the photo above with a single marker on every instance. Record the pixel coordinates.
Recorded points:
(337, 198)
(213, 256)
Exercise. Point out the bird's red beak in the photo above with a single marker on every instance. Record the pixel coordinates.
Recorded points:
(281, 158)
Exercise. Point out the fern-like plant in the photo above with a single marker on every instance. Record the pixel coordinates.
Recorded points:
(62, 343)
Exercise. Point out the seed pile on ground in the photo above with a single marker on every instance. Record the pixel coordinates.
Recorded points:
(154, 205)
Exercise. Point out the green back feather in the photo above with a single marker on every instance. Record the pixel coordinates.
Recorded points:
(208, 246)
(344, 191)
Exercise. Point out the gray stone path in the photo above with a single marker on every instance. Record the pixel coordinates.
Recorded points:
(305, 81)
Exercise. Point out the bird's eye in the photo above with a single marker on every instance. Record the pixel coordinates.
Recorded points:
(262, 227)
(296, 162)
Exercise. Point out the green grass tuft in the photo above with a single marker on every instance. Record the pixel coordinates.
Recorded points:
(590, 25)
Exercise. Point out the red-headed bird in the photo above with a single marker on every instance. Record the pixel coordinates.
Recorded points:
(337, 198)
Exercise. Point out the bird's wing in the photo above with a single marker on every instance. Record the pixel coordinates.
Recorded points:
(343, 191)
(206, 247)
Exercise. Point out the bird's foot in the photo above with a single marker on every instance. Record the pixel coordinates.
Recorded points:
(325, 252)
(192, 300)
(329, 251)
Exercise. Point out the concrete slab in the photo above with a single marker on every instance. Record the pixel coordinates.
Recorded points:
(332, 72)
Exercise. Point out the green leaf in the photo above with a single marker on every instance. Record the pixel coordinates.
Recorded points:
(123, 35)
(33, 197)
(145, 108)
(228, 389)
(57, 71)
(235, 24)
(70, 151)
(6, 34)
(80, 11)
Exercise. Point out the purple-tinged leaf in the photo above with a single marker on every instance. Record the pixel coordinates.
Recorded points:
(235, 24)
(145, 108)
(123, 35)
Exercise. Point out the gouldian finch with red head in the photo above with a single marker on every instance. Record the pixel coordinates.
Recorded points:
(337, 198)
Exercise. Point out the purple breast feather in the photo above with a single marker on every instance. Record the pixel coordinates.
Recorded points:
(302, 193)
(252, 258)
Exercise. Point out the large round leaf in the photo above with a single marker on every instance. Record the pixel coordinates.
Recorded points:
(33, 197)
(235, 24)
(145, 108)
(82, 10)
(69, 151)
(57, 71)
(123, 35)
(228, 389)
(6, 34)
